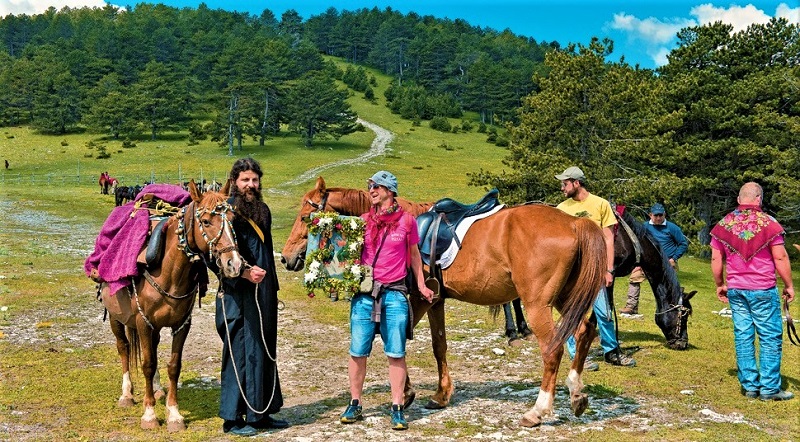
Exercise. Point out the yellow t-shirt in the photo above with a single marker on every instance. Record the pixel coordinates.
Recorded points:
(595, 208)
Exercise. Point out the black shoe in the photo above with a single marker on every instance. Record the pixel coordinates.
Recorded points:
(238, 428)
(615, 357)
(269, 422)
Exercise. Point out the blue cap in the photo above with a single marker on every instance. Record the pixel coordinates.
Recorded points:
(385, 179)
(657, 209)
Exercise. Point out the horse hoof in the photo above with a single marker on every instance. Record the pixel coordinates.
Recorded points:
(149, 425)
(433, 405)
(530, 337)
(409, 399)
(159, 394)
(516, 342)
(125, 402)
(174, 427)
(528, 423)
(579, 403)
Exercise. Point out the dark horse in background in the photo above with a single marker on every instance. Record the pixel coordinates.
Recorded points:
(165, 295)
(672, 304)
(539, 254)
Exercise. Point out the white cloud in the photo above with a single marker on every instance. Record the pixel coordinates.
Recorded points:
(651, 29)
(31, 7)
(791, 14)
(657, 36)
(740, 17)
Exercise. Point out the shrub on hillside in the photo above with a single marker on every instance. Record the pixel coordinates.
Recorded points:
(441, 124)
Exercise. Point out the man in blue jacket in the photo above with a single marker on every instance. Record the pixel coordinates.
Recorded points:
(673, 244)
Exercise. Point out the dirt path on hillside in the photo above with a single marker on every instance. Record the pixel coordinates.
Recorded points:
(378, 147)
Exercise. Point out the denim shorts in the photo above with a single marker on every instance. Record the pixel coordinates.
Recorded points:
(392, 328)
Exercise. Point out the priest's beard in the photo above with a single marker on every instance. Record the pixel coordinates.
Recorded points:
(250, 204)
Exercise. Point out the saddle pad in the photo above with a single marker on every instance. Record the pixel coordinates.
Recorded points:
(449, 255)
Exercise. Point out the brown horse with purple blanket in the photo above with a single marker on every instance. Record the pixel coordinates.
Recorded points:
(163, 296)
(539, 254)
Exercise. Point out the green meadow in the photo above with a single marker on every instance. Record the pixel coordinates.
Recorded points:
(72, 395)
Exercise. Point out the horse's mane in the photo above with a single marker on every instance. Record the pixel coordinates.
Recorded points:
(670, 280)
(212, 199)
(356, 201)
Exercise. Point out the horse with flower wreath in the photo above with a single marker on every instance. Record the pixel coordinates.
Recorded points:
(536, 253)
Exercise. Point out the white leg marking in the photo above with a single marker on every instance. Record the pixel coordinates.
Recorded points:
(127, 386)
(149, 414)
(574, 382)
(173, 415)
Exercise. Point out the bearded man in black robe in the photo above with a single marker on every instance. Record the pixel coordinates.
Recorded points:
(247, 314)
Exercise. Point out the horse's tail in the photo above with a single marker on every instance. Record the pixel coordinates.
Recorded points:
(590, 273)
(134, 350)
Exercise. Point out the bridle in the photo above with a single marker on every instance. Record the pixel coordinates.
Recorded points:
(220, 210)
(683, 312)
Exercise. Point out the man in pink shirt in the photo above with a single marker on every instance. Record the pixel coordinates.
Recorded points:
(748, 244)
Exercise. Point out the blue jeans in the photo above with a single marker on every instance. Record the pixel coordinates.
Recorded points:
(757, 312)
(605, 323)
(394, 320)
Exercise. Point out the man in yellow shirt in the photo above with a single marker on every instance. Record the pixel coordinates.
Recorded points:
(580, 202)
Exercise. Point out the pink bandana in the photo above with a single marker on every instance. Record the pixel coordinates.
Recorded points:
(747, 230)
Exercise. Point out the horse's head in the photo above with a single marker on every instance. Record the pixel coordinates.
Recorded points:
(673, 319)
(212, 231)
(293, 253)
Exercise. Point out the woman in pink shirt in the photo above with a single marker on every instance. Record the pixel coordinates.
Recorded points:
(390, 246)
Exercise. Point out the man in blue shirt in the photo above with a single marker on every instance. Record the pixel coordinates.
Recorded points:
(673, 244)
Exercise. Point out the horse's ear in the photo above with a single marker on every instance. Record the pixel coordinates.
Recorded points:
(193, 190)
(226, 188)
(798, 246)
(320, 185)
(688, 296)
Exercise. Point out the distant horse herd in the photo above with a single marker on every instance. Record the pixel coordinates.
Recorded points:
(123, 194)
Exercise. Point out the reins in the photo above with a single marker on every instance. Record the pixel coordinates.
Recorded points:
(790, 328)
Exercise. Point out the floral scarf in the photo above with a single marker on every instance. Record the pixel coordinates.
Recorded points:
(747, 230)
(380, 220)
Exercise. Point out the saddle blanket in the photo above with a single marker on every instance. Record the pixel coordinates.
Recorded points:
(449, 255)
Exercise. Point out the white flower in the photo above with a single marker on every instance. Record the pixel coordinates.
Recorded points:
(324, 221)
(353, 224)
(353, 246)
(310, 277)
(356, 270)
(4, 308)
(314, 266)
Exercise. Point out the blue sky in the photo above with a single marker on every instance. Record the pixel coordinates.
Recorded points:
(643, 30)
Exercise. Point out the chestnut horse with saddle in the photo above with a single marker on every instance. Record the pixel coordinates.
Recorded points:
(548, 259)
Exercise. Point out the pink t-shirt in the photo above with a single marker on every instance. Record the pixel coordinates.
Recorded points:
(757, 274)
(393, 257)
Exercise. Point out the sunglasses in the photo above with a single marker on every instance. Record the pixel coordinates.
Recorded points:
(371, 186)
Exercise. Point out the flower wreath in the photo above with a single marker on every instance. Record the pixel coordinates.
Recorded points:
(349, 236)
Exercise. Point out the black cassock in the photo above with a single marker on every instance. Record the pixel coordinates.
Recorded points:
(255, 368)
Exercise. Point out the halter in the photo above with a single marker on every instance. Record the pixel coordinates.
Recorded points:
(322, 203)
(683, 311)
(221, 210)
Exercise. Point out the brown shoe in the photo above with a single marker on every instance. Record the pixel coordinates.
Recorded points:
(629, 311)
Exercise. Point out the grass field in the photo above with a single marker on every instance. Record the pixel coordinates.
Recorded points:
(68, 394)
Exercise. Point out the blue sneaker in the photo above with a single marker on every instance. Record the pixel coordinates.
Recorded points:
(352, 413)
(779, 396)
(398, 420)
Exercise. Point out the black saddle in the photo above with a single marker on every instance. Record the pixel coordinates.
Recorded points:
(439, 224)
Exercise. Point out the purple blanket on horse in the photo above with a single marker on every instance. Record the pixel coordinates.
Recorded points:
(123, 235)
